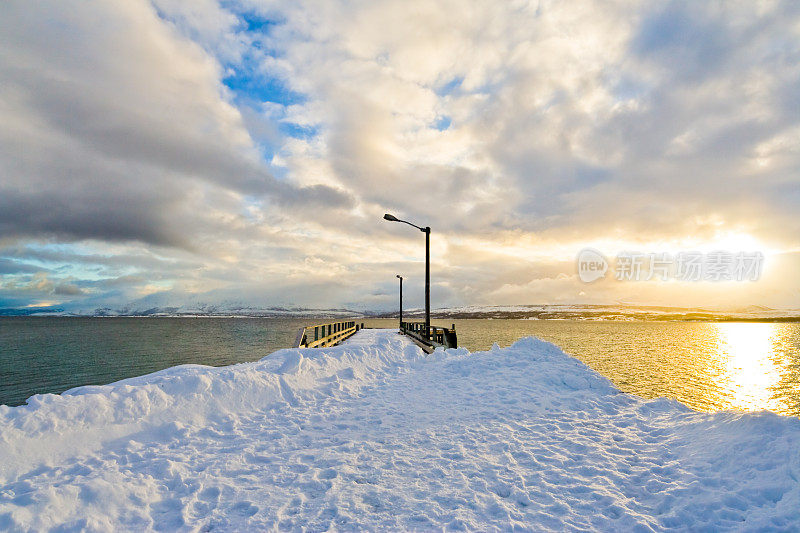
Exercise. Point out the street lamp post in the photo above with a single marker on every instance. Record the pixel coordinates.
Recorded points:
(427, 231)
(401, 301)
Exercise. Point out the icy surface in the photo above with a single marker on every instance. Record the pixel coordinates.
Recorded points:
(374, 435)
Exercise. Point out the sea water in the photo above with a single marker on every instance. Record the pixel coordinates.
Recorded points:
(707, 366)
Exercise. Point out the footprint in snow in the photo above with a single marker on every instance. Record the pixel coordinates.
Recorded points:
(210, 494)
(328, 473)
(245, 508)
(207, 501)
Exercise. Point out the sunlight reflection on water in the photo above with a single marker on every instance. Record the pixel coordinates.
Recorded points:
(707, 366)
(751, 367)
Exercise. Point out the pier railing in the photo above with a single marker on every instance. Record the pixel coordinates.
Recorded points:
(322, 335)
(332, 333)
(437, 336)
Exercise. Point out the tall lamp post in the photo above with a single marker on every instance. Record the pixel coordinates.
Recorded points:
(427, 231)
(401, 301)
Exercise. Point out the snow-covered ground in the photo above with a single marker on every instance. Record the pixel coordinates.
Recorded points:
(373, 435)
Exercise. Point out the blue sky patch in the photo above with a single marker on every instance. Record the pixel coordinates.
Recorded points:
(442, 122)
(249, 86)
(450, 86)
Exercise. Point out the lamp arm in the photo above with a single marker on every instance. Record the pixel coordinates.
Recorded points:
(410, 224)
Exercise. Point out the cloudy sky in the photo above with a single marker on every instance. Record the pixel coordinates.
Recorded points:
(170, 152)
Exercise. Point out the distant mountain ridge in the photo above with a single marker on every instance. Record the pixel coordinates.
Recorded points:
(620, 312)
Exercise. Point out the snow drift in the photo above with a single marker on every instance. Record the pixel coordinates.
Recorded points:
(372, 434)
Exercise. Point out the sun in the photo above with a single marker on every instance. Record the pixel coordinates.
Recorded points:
(738, 242)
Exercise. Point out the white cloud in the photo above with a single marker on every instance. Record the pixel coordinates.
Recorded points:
(549, 124)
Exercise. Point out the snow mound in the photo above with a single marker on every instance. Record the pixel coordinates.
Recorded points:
(374, 435)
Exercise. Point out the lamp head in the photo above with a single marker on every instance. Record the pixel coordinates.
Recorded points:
(389, 217)
(399, 276)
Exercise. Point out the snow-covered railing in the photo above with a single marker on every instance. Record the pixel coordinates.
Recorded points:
(437, 336)
(323, 335)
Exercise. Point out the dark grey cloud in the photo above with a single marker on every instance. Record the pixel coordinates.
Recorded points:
(9, 266)
(67, 289)
(110, 136)
(89, 215)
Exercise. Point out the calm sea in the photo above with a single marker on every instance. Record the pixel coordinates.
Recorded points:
(708, 366)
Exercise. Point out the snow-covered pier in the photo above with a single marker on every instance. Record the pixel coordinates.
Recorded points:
(374, 434)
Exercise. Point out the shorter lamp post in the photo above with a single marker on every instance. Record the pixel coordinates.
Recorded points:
(401, 301)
